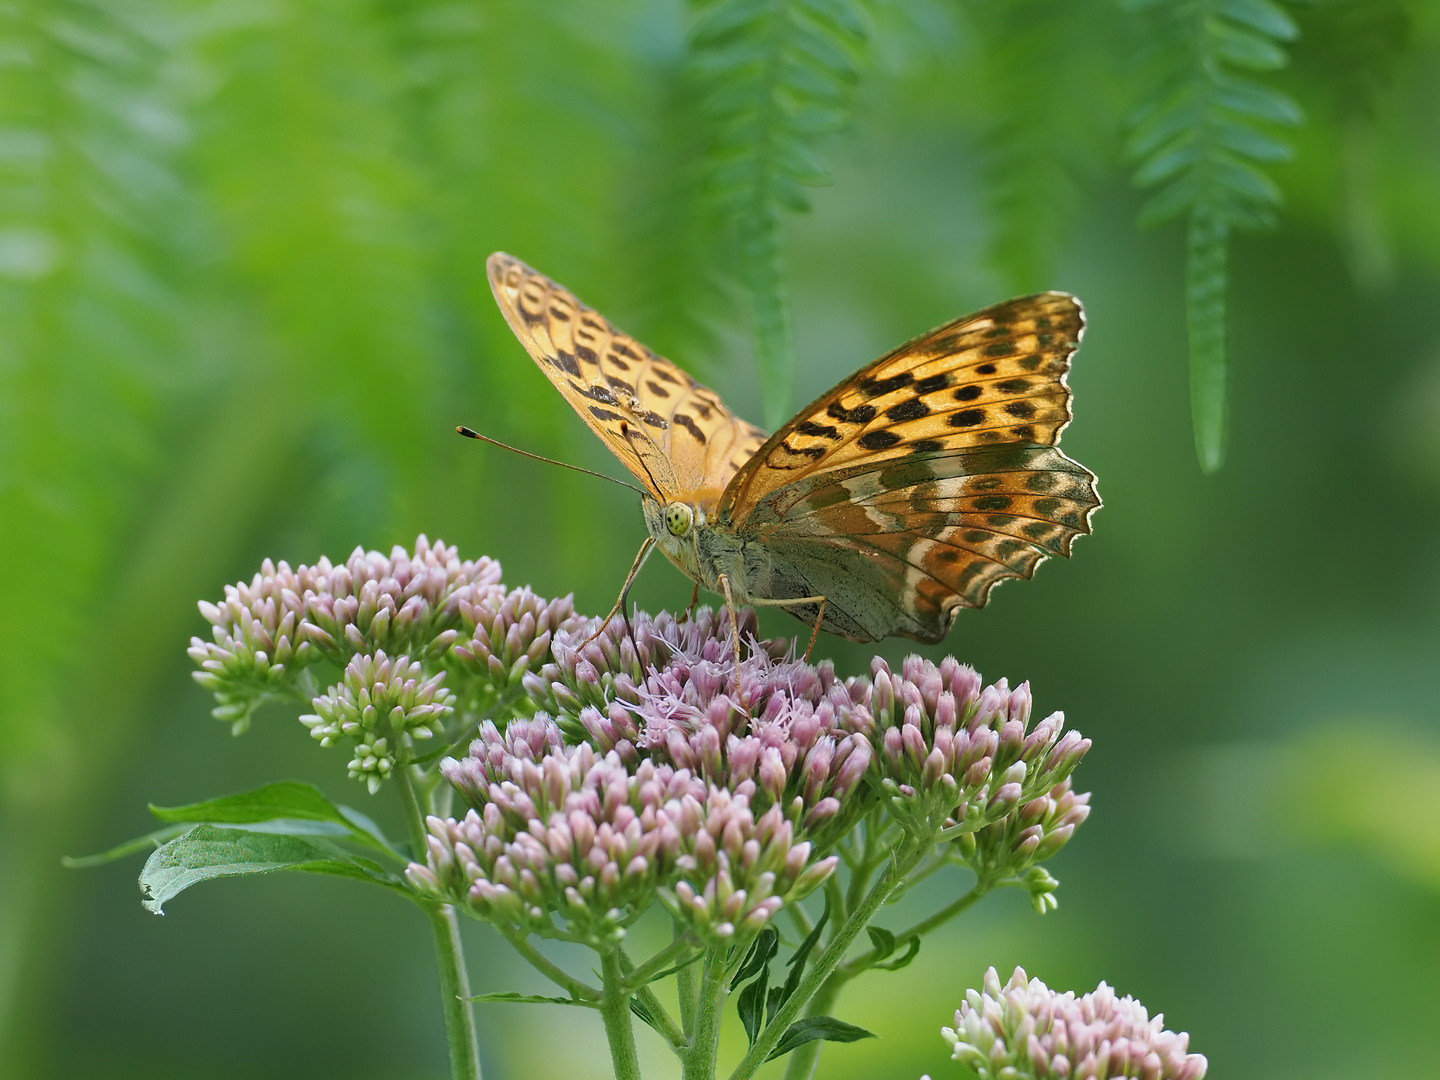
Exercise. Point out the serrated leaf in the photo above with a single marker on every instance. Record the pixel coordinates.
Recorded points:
(511, 997)
(817, 1027)
(208, 851)
(1261, 15)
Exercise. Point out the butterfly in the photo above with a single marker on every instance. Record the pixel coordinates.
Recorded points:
(900, 496)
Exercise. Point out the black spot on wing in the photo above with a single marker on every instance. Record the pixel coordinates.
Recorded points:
(909, 409)
(878, 387)
(567, 363)
(878, 440)
(819, 431)
(690, 426)
(967, 393)
(656, 389)
(1021, 410)
(596, 393)
(966, 418)
(931, 383)
(860, 414)
(985, 369)
(926, 446)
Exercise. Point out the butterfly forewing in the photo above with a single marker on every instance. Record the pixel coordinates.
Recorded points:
(997, 376)
(672, 433)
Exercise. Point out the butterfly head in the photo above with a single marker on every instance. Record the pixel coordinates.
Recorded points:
(674, 526)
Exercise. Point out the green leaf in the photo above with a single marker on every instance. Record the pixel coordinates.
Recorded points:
(796, 963)
(903, 961)
(817, 1027)
(286, 801)
(1244, 48)
(762, 951)
(283, 799)
(1261, 102)
(207, 852)
(1263, 16)
(1205, 280)
(883, 940)
(510, 997)
(751, 1005)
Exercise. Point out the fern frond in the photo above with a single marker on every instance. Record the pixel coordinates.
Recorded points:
(1203, 141)
(778, 75)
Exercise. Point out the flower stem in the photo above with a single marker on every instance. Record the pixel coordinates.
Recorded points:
(803, 1058)
(687, 989)
(906, 859)
(699, 1062)
(449, 952)
(615, 1011)
(578, 988)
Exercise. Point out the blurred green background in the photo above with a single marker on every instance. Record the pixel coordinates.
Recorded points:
(243, 304)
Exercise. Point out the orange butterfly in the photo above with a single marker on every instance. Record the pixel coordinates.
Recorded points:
(886, 505)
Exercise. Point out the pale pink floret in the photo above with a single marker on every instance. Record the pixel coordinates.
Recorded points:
(1026, 1030)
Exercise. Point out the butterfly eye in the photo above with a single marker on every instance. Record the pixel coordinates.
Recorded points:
(679, 518)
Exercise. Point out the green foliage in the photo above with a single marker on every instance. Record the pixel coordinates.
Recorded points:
(778, 75)
(1203, 140)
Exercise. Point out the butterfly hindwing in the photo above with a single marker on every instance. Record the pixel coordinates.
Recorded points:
(933, 469)
(673, 434)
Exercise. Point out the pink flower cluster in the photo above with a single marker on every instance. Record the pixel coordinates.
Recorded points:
(571, 831)
(958, 754)
(1026, 1030)
(408, 605)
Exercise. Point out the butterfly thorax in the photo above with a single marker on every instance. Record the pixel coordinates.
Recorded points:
(699, 546)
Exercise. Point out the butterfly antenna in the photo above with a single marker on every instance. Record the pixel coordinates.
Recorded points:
(470, 433)
(625, 430)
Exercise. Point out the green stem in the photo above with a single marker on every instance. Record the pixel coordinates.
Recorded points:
(662, 1021)
(449, 952)
(905, 860)
(800, 1065)
(699, 1061)
(615, 1011)
(577, 988)
(848, 971)
(687, 989)
(646, 972)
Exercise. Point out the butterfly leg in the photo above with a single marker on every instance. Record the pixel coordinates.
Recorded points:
(819, 617)
(640, 557)
(694, 599)
(734, 623)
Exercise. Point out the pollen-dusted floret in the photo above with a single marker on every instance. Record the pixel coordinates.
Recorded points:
(792, 727)
(1026, 1031)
